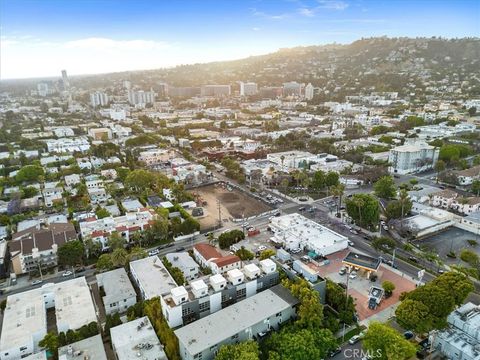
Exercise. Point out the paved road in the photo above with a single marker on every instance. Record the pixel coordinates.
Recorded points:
(350, 352)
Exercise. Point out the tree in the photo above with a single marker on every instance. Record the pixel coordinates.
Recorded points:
(338, 191)
(266, 254)
(332, 178)
(439, 167)
(470, 257)
(229, 238)
(244, 254)
(116, 241)
(158, 231)
(385, 187)
(310, 310)
(363, 209)
(112, 321)
(303, 344)
(472, 111)
(244, 351)
(50, 342)
(104, 262)
(137, 253)
(29, 192)
(119, 257)
(385, 343)
(71, 253)
(318, 182)
(336, 298)
(382, 243)
(414, 315)
(140, 180)
(476, 187)
(102, 213)
(397, 209)
(388, 286)
(30, 173)
(92, 248)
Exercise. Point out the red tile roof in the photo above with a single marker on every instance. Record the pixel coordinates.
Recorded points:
(226, 260)
(207, 251)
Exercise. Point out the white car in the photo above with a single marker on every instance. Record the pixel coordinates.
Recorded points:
(153, 252)
(354, 339)
(262, 248)
(67, 273)
(295, 251)
(385, 227)
(351, 243)
(36, 282)
(353, 275)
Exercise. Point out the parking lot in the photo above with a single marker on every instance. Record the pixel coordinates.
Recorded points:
(359, 286)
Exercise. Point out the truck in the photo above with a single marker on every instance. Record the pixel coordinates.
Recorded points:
(253, 232)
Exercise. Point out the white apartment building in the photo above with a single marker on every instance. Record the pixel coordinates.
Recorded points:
(136, 339)
(100, 133)
(248, 88)
(119, 292)
(141, 97)
(154, 156)
(63, 131)
(100, 229)
(209, 294)
(292, 159)
(68, 145)
(185, 263)
(98, 98)
(309, 91)
(25, 316)
(407, 159)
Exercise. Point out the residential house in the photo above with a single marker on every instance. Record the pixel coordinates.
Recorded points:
(185, 263)
(118, 290)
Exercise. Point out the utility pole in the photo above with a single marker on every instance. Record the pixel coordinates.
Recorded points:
(219, 214)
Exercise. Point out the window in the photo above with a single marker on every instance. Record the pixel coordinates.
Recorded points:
(204, 306)
(23, 348)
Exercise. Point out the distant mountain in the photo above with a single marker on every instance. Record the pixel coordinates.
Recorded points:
(380, 64)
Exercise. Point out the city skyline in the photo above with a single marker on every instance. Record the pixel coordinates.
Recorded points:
(88, 37)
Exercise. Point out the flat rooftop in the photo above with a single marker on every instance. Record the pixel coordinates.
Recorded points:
(153, 277)
(24, 315)
(73, 303)
(116, 284)
(42, 355)
(91, 347)
(363, 261)
(127, 337)
(296, 226)
(223, 324)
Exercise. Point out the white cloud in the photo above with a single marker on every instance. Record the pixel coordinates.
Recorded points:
(264, 15)
(333, 4)
(306, 12)
(256, 29)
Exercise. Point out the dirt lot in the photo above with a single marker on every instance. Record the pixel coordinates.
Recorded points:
(233, 204)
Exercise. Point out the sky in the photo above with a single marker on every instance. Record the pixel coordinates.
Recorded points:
(42, 37)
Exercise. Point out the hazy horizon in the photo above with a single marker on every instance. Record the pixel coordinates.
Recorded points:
(39, 39)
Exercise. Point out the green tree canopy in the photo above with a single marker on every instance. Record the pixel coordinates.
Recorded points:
(385, 187)
(385, 343)
(244, 351)
(363, 209)
(30, 173)
(71, 253)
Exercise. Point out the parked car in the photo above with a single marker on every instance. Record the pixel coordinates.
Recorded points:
(353, 275)
(413, 258)
(305, 259)
(353, 231)
(342, 271)
(153, 252)
(36, 282)
(335, 352)
(296, 251)
(354, 339)
(262, 248)
(351, 243)
(301, 208)
(181, 248)
(408, 335)
(67, 273)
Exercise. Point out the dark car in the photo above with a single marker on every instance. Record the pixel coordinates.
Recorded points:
(342, 285)
(335, 352)
(413, 258)
(181, 248)
(408, 335)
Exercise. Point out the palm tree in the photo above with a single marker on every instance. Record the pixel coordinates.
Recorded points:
(282, 159)
(211, 238)
(338, 190)
(359, 203)
(403, 199)
(137, 253)
(119, 257)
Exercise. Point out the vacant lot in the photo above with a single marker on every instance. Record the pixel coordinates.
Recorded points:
(233, 204)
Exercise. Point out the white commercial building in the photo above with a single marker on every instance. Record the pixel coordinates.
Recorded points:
(119, 292)
(408, 159)
(136, 340)
(297, 232)
(309, 91)
(25, 316)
